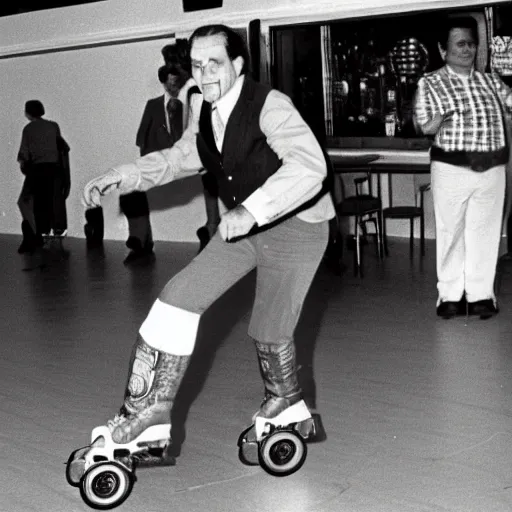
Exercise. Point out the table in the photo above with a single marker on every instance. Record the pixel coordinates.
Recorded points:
(415, 161)
(380, 161)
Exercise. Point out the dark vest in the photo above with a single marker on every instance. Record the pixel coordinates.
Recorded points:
(247, 161)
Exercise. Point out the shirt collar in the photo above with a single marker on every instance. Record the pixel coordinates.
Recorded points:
(226, 104)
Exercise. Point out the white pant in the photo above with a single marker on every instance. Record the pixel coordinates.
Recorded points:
(468, 210)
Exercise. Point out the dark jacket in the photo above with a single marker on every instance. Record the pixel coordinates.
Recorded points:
(152, 134)
(39, 143)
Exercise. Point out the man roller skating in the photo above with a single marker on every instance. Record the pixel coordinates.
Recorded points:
(270, 172)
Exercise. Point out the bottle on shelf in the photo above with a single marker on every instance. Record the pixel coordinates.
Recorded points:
(391, 117)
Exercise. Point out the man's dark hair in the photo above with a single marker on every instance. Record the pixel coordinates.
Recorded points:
(235, 44)
(177, 54)
(34, 108)
(166, 70)
(457, 22)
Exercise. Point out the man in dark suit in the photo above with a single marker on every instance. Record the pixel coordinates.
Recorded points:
(160, 127)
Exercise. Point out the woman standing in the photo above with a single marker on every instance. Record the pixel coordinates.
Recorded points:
(43, 158)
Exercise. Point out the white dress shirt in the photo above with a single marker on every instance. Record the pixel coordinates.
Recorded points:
(298, 180)
(225, 106)
(167, 97)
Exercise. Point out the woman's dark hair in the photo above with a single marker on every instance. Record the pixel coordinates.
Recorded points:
(457, 22)
(34, 108)
(235, 44)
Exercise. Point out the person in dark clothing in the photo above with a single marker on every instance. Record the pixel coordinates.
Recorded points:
(161, 126)
(163, 121)
(25, 203)
(44, 160)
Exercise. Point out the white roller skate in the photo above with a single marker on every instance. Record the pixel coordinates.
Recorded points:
(277, 438)
(140, 436)
(105, 470)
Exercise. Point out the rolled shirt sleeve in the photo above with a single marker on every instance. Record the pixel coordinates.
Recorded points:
(303, 168)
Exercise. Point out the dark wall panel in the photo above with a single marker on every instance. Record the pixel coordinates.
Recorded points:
(21, 6)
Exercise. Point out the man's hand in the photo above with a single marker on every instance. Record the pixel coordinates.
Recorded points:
(100, 186)
(236, 223)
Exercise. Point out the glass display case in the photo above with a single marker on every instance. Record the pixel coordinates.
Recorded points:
(354, 80)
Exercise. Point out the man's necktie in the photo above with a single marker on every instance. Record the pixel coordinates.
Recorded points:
(218, 126)
(175, 115)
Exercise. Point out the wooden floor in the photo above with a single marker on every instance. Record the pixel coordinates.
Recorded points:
(417, 411)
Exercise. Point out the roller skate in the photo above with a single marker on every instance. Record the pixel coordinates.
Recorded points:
(276, 440)
(139, 436)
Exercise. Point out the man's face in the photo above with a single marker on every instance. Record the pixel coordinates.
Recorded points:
(173, 84)
(460, 49)
(212, 68)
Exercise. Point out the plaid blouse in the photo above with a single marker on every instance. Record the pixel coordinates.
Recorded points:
(473, 119)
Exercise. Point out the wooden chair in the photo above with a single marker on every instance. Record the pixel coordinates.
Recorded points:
(407, 212)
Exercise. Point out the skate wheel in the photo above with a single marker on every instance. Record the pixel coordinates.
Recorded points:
(282, 453)
(106, 485)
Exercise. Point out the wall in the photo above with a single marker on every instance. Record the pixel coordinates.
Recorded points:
(97, 96)
(93, 66)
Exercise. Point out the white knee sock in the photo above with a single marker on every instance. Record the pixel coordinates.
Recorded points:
(170, 329)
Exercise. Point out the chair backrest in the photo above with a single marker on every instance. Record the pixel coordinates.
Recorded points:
(360, 182)
(363, 181)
